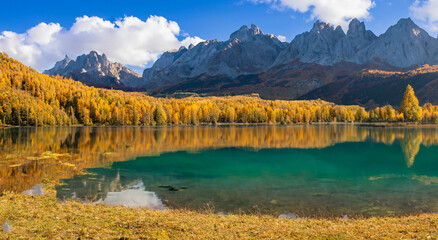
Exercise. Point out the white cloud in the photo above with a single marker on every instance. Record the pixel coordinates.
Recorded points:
(129, 40)
(427, 12)
(282, 38)
(337, 12)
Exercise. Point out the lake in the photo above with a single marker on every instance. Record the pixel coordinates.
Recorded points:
(311, 171)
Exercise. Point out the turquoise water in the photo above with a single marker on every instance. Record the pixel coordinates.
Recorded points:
(362, 172)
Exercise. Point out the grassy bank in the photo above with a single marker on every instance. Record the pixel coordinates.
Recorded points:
(44, 217)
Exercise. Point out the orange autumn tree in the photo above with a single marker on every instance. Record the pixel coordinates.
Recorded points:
(410, 107)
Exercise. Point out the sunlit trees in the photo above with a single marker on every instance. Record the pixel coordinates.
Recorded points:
(160, 115)
(410, 106)
(30, 98)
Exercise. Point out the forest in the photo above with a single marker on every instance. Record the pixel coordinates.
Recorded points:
(29, 98)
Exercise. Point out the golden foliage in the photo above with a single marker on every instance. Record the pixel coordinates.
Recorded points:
(28, 98)
(33, 99)
(421, 70)
(43, 217)
(30, 156)
(410, 107)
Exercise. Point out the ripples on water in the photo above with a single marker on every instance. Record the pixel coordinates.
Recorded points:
(307, 170)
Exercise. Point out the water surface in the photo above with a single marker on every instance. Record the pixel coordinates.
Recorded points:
(306, 170)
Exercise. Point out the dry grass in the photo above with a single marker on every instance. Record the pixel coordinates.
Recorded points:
(38, 217)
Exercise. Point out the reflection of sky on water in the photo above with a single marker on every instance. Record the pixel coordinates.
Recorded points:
(29, 156)
(37, 190)
(307, 170)
(135, 197)
(333, 181)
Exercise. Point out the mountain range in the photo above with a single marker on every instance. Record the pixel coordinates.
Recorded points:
(95, 70)
(324, 62)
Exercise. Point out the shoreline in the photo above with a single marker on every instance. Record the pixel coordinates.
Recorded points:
(45, 217)
(358, 124)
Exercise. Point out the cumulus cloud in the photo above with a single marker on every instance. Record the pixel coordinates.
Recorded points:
(427, 12)
(337, 12)
(129, 40)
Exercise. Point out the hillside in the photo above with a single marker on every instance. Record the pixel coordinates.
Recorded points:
(30, 98)
(323, 62)
(372, 88)
(288, 81)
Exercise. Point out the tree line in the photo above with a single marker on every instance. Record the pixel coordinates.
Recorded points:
(28, 98)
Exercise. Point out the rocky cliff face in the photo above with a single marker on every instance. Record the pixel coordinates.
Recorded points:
(248, 50)
(96, 70)
(316, 46)
(402, 45)
(322, 63)
(356, 39)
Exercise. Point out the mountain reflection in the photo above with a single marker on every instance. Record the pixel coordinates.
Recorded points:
(134, 196)
(29, 156)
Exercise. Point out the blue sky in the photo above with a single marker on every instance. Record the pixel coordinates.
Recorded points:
(195, 18)
(203, 18)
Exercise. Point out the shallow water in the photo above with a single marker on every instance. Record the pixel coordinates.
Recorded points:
(306, 170)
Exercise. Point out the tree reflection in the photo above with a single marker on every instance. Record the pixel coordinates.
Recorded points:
(29, 156)
(410, 144)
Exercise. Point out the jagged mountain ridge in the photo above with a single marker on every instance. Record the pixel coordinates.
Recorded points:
(248, 50)
(95, 70)
(402, 45)
(253, 62)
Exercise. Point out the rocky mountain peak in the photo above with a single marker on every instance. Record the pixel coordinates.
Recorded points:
(339, 31)
(402, 45)
(255, 30)
(406, 22)
(355, 27)
(62, 64)
(247, 51)
(319, 27)
(245, 33)
(92, 60)
(327, 31)
(94, 69)
(406, 27)
(65, 61)
(316, 46)
(93, 56)
(358, 32)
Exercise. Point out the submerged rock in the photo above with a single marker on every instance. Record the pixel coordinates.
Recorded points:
(171, 188)
(37, 190)
(288, 216)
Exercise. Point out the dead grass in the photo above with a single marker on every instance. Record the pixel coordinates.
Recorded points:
(41, 217)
